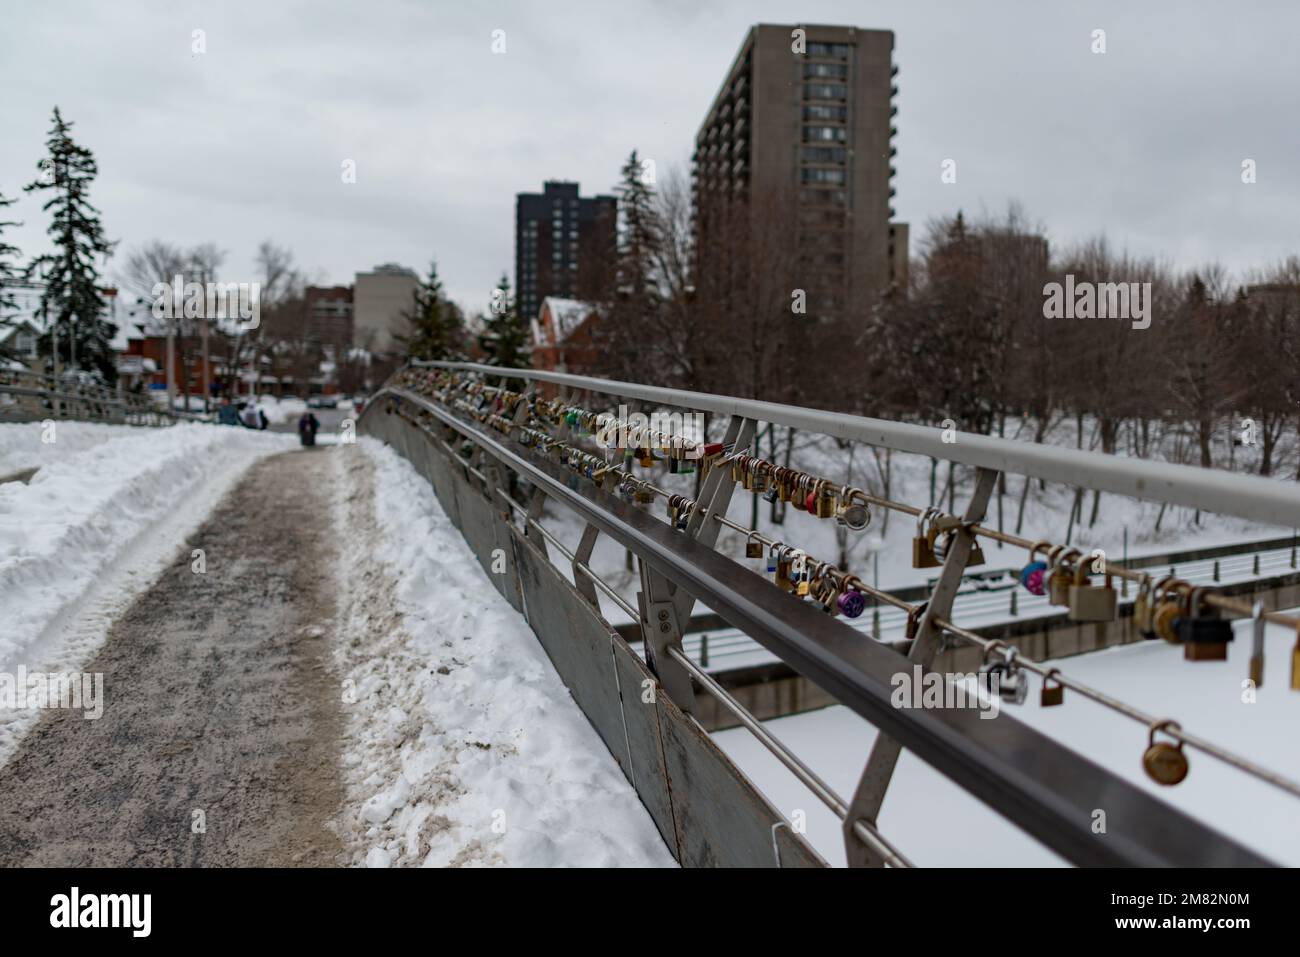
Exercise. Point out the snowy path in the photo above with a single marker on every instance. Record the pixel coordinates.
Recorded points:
(219, 707)
(339, 684)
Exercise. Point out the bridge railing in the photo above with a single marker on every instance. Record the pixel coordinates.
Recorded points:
(28, 395)
(516, 443)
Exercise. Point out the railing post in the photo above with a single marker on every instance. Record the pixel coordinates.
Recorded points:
(870, 793)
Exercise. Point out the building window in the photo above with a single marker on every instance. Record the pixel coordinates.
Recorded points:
(835, 176)
(831, 134)
(824, 154)
(825, 91)
(828, 49)
(834, 71)
(820, 112)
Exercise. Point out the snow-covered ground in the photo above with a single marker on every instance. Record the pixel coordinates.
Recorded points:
(106, 510)
(280, 410)
(936, 823)
(464, 746)
(21, 447)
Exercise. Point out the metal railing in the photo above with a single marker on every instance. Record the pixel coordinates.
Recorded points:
(1041, 786)
(32, 395)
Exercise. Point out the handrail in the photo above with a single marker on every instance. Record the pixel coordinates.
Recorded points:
(1043, 787)
(1243, 496)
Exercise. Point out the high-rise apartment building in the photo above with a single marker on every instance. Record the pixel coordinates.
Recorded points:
(564, 244)
(804, 123)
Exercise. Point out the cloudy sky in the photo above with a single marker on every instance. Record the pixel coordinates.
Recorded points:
(246, 141)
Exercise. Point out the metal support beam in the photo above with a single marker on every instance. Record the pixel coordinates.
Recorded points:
(582, 556)
(870, 794)
(715, 497)
(661, 631)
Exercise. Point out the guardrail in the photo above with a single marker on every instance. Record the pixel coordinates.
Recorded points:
(36, 395)
(1038, 784)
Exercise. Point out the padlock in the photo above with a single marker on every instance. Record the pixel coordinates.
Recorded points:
(674, 509)
(753, 549)
(922, 552)
(1143, 608)
(943, 532)
(853, 515)
(825, 506)
(1257, 645)
(1031, 576)
(758, 484)
(1051, 694)
(851, 603)
(1163, 762)
(1204, 634)
(1060, 579)
(1167, 610)
(913, 625)
(644, 494)
(1012, 685)
(1092, 602)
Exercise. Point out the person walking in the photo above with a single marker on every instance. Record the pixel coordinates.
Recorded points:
(308, 425)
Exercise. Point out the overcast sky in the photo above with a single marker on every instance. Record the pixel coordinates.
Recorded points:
(245, 141)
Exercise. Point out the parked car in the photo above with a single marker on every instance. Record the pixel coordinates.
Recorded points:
(323, 402)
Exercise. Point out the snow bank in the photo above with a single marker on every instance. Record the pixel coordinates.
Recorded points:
(98, 486)
(21, 446)
(464, 746)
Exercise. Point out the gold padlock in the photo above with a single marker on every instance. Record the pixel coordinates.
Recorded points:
(922, 550)
(1092, 602)
(1060, 579)
(1052, 695)
(1142, 608)
(1168, 608)
(1163, 762)
(826, 501)
(753, 549)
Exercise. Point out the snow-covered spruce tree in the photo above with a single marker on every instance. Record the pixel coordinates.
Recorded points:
(435, 325)
(9, 274)
(504, 339)
(72, 299)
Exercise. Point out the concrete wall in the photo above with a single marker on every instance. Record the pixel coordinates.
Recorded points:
(706, 810)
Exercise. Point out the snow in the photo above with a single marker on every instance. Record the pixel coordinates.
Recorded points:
(280, 410)
(107, 509)
(463, 744)
(21, 446)
(936, 823)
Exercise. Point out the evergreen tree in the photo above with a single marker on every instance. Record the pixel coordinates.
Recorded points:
(72, 300)
(9, 274)
(639, 235)
(504, 338)
(435, 325)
